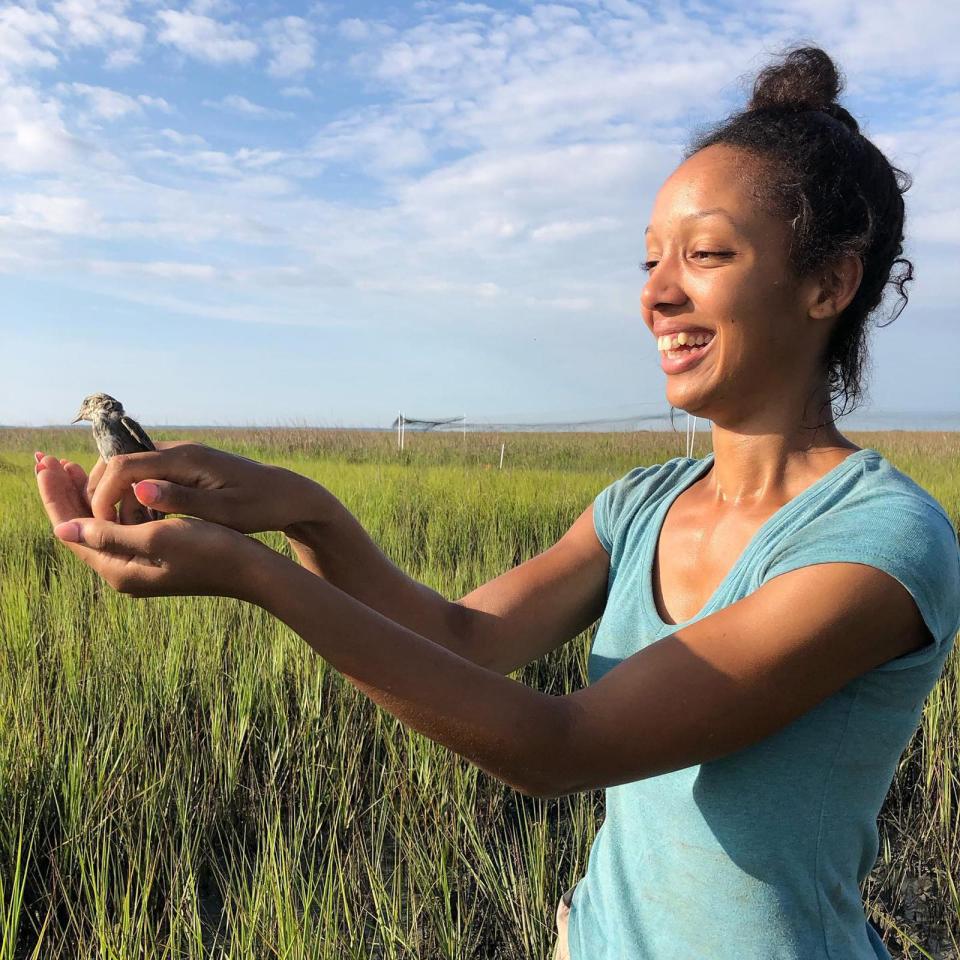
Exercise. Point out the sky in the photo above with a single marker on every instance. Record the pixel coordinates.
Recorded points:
(271, 213)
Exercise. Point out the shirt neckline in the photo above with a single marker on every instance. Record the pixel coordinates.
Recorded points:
(701, 469)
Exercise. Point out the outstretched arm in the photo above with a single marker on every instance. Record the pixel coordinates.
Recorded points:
(713, 687)
(504, 624)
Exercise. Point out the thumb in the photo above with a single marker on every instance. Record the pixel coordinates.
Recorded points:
(100, 535)
(167, 497)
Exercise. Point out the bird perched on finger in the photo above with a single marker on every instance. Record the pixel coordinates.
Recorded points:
(114, 432)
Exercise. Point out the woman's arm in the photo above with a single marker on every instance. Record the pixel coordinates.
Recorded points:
(504, 624)
(713, 687)
(509, 730)
(710, 689)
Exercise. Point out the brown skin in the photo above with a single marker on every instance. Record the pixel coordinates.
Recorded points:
(706, 690)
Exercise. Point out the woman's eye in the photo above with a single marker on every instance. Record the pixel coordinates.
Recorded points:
(713, 253)
(647, 265)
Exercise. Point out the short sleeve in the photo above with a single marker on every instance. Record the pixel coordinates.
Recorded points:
(615, 502)
(908, 538)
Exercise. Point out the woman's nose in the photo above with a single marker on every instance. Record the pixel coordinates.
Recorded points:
(662, 287)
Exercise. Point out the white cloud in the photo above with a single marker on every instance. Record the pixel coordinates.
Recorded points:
(205, 38)
(298, 92)
(103, 23)
(53, 214)
(162, 269)
(108, 104)
(291, 43)
(33, 137)
(104, 102)
(383, 143)
(27, 39)
(560, 230)
(183, 139)
(358, 31)
(158, 103)
(238, 104)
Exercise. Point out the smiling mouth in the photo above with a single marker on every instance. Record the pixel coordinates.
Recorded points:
(675, 346)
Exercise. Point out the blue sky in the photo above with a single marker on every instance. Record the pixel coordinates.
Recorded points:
(288, 213)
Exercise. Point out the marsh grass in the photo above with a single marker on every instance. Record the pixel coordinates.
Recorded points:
(184, 778)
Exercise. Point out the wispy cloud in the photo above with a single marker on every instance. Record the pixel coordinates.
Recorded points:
(103, 23)
(111, 104)
(238, 104)
(28, 38)
(291, 43)
(204, 37)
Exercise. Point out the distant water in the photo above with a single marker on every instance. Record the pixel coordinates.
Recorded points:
(859, 420)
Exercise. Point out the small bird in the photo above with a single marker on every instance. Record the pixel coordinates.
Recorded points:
(114, 432)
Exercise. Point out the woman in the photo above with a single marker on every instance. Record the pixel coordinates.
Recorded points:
(773, 615)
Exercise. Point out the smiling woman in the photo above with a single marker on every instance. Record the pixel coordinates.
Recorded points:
(772, 617)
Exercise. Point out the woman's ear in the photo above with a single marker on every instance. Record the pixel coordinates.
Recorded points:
(839, 282)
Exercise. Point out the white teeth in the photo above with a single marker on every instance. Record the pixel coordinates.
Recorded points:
(668, 342)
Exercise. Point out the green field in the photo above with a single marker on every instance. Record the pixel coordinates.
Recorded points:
(184, 777)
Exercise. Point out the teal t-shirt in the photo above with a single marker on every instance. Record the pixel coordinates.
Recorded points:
(759, 855)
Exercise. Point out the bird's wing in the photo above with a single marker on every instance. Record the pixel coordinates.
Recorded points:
(137, 432)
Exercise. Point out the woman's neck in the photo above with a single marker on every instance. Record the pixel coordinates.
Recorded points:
(771, 458)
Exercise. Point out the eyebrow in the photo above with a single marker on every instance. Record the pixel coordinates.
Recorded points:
(700, 214)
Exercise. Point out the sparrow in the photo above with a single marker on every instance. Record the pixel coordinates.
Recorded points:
(114, 432)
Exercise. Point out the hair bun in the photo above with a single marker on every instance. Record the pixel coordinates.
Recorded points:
(806, 79)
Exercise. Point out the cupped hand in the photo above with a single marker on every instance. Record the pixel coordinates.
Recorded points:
(170, 557)
(201, 481)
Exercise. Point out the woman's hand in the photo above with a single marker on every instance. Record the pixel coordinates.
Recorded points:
(194, 479)
(171, 557)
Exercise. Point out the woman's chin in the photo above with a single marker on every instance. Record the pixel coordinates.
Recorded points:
(690, 401)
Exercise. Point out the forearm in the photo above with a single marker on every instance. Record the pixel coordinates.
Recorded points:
(332, 544)
(514, 733)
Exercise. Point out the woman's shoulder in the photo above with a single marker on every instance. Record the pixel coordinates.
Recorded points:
(878, 488)
(642, 488)
(874, 514)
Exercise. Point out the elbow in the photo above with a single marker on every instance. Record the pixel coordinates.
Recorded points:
(552, 773)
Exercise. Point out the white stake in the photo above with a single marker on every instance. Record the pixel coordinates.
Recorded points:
(399, 421)
(502, 448)
(402, 431)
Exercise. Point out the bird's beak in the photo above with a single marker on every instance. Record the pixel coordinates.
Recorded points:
(78, 418)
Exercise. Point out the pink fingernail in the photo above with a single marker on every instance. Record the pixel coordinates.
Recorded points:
(69, 532)
(146, 492)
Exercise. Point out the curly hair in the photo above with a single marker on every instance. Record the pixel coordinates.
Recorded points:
(835, 188)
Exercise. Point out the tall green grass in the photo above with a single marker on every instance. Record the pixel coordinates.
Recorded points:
(184, 778)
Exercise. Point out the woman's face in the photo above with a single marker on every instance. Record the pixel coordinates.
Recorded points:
(718, 268)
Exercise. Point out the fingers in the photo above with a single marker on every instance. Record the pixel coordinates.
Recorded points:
(115, 479)
(101, 535)
(170, 497)
(175, 460)
(95, 474)
(78, 478)
(58, 492)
